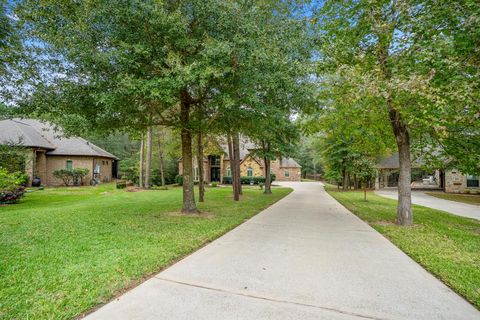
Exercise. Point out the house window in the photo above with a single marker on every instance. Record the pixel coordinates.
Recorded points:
(287, 173)
(249, 172)
(229, 171)
(473, 181)
(69, 165)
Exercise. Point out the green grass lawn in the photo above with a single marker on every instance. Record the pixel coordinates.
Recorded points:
(66, 250)
(465, 198)
(446, 245)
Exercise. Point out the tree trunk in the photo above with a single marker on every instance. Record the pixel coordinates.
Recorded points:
(268, 177)
(188, 205)
(160, 155)
(142, 151)
(148, 164)
(236, 151)
(231, 155)
(404, 207)
(201, 184)
(344, 176)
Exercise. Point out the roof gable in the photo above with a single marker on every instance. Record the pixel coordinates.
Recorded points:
(43, 135)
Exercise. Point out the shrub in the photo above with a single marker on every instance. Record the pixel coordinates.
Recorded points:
(121, 184)
(214, 184)
(12, 186)
(179, 180)
(71, 176)
(78, 174)
(65, 175)
(247, 180)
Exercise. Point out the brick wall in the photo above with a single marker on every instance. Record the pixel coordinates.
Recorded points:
(280, 173)
(60, 162)
(456, 182)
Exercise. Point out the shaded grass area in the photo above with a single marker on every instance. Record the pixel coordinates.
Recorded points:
(446, 245)
(66, 250)
(465, 198)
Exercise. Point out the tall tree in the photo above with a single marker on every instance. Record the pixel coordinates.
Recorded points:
(390, 58)
(148, 160)
(161, 164)
(141, 180)
(114, 66)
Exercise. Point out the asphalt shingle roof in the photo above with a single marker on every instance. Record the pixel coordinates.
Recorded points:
(33, 133)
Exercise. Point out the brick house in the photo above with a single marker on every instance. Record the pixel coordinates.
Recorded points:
(449, 180)
(46, 150)
(216, 165)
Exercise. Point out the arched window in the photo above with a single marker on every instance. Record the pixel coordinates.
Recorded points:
(229, 172)
(249, 172)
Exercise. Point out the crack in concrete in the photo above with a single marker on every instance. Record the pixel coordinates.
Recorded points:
(362, 316)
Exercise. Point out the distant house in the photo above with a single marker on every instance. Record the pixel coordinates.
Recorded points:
(47, 150)
(451, 180)
(216, 165)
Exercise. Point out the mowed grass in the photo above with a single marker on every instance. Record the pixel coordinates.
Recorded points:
(465, 198)
(63, 251)
(446, 245)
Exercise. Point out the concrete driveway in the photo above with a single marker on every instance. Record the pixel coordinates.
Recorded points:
(306, 257)
(423, 199)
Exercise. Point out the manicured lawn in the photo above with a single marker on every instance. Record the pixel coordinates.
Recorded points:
(466, 198)
(66, 250)
(446, 245)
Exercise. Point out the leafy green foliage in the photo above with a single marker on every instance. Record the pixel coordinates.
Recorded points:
(13, 157)
(74, 176)
(179, 179)
(12, 186)
(79, 174)
(374, 54)
(249, 180)
(121, 184)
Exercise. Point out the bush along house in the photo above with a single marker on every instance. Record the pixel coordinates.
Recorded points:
(216, 165)
(47, 152)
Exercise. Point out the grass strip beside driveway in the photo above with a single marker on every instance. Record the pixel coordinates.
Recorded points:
(446, 245)
(465, 198)
(65, 250)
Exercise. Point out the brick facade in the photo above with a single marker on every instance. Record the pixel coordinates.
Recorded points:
(456, 182)
(281, 173)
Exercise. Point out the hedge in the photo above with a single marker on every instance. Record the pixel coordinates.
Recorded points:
(248, 180)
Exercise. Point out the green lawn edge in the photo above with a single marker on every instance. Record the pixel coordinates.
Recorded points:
(463, 198)
(446, 245)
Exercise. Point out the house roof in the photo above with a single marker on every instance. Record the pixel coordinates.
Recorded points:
(33, 133)
(246, 147)
(289, 163)
(393, 162)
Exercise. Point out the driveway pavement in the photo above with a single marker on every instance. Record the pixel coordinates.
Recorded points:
(423, 199)
(306, 257)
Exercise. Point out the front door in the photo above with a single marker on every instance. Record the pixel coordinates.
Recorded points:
(215, 174)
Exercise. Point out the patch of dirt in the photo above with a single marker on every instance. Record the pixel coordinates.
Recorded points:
(133, 189)
(385, 223)
(206, 215)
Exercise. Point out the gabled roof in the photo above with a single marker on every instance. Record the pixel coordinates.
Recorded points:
(393, 162)
(289, 163)
(18, 132)
(33, 133)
